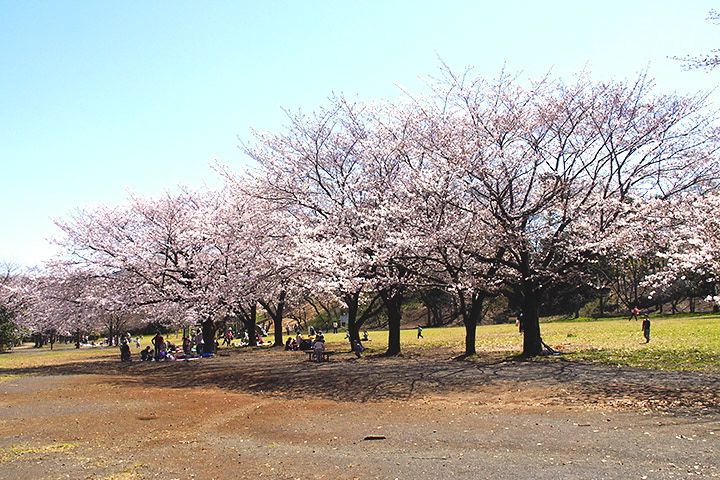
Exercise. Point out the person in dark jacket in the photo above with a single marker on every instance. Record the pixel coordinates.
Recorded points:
(646, 329)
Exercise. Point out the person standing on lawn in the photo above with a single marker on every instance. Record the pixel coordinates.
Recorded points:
(158, 343)
(646, 328)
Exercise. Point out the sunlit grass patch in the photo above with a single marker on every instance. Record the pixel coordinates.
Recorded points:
(32, 358)
(677, 343)
(655, 358)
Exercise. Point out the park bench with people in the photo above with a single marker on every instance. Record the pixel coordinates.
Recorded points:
(312, 355)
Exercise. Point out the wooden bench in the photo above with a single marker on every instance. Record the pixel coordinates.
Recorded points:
(312, 355)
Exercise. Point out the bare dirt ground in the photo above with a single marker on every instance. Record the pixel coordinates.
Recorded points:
(271, 414)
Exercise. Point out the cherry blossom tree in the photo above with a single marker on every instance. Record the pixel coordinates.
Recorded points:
(708, 60)
(62, 303)
(10, 305)
(255, 238)
(478, 188)
(455, 247)
(161, 250)
(550, 164)
(684, 238)
(336, 173)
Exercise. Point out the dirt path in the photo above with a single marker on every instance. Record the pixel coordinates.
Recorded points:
(271, 414)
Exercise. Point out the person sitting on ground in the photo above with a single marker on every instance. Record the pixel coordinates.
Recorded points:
(358, 348)
(319, 348)
(124, 351)
(199, 342)
(228, 338)
(288, 344)
(146, 355)
(187, 345)
(161, 352)
(294, 346)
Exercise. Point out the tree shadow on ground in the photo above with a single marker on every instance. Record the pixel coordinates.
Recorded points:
(378, 378)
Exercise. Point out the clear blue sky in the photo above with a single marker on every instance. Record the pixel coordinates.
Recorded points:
(102, 97)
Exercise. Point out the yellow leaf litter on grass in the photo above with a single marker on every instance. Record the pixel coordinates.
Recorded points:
(16, 451)
(52, 448)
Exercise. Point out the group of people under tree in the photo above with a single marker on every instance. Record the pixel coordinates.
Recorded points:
(316, 343)
(192, 346)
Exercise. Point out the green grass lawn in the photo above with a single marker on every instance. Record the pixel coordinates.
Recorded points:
(678, 343)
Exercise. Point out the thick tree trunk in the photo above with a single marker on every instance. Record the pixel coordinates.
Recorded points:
(471, 318)
(249, 321)
(208, 331)
(393, 305)
(532, 343)
(470, 335)
(530, 322)
(674, 307)
(352, 301)
(251, 324)
(277, 320)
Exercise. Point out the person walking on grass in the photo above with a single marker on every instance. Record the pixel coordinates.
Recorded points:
(646, 329)
(419, 330)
